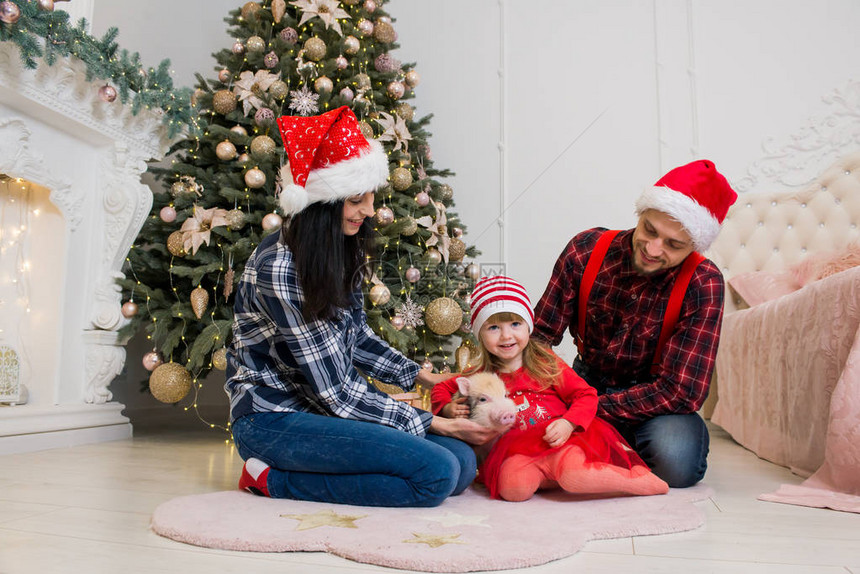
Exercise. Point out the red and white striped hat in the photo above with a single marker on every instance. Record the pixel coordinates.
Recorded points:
(499, 294)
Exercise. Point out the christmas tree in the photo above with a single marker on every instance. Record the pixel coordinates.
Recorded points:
(298, 58)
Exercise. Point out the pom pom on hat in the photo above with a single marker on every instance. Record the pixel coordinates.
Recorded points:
(696, 195)
(329, 159)
(499, 294)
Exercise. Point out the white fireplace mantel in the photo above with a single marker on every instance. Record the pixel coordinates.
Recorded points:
(57, 133)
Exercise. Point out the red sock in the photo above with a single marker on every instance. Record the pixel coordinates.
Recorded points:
(254, 477)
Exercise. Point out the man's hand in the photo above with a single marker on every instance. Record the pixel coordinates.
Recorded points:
(456, 409)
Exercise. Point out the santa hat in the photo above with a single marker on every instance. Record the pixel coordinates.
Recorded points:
(696, 196)
(499, 294)
(329, 159)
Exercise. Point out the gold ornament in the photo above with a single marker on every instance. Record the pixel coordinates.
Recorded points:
(434, 257)
(351, 45)
(405, 111)
(410, 226)
(129, 309)
(473, 271)
(229, 279)
(279, 8)
(272, 221)
(464, 355)
(366, 129)
(279, 89)
(443, 316)
(412, 78)
(456, 250)
(219, 359)
(225, 150)
(170, 382)
(362, 81)
(249, 10)
(446, 192)
(46, 5)
(401, 178)
(315, 49)
(237, 129)
(176, 244)
(351, 2)
(223, 102)
(384, 32)
(379, 294)
(199, 301)
(235, 219)
(255, 44)
(262, 145)
(323, 85)
(255, 178)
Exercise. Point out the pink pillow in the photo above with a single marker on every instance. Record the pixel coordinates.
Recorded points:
(820, 265)
(760, 286)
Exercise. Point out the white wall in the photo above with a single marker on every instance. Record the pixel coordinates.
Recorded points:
(554, 114)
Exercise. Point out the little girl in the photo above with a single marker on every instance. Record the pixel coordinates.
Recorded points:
(556, 441)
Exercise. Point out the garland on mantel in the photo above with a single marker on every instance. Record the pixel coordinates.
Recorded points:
(41, 32)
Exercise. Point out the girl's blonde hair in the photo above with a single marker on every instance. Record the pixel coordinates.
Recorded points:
(538, 359)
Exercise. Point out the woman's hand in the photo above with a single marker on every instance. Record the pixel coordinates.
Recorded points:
(456, 409)
(557, 432)
(430, 378)
(463, 429)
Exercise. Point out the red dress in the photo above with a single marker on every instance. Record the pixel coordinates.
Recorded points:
(595, 459)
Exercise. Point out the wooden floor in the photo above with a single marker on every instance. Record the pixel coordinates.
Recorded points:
(86, 510)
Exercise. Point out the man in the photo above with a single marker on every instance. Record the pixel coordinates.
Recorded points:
(650, 394)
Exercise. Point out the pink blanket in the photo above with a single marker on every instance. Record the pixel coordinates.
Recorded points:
(788, 373)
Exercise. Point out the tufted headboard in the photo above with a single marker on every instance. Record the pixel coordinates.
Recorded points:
(771, 231)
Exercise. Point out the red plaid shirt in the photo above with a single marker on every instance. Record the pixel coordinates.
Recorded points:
(625, 312)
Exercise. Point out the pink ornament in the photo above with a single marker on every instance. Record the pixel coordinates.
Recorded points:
(243, 158)
(370, 5)
(347, 94)
(255, 178)
(224, 75)
(152, 360)
(384, 216)
(167, 214)
(289, 35)
(129, 309)
(264, 117)
(434, 256)
(427, 365)
(272, 221)
(413, 275)
(107, 93)
(365, 27)
(422, 198)
(271, 60)
(457, 232)
(398, 322)
(396, 90)
(341, 63)
(9, 12)
(238, 48)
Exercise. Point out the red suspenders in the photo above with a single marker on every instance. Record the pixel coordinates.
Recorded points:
(673, 308)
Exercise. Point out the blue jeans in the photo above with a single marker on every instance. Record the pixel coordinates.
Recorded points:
(675, 447)
(329, 459)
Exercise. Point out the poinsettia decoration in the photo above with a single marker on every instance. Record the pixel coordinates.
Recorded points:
(251, 87)
(326, 10)
(395, 130)
(196, 230)
(437, 227)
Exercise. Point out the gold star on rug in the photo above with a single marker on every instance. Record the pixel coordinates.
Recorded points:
(434, 540)
(324, 518)
(453, 519)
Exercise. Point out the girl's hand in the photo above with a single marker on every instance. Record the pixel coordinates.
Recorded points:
(557, 432)
(456, 409)
(463, 429)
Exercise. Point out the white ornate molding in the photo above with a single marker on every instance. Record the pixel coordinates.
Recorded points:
(796, 160)
(105, 359)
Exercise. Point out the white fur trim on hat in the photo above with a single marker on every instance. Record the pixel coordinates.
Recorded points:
(700, 223)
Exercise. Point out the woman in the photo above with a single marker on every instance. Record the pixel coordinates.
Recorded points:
(308, 424)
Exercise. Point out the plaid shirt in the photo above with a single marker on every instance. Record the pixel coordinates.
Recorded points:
(625, 312)
(279, 362)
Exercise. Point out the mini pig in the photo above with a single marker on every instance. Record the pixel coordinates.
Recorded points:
(488, 402)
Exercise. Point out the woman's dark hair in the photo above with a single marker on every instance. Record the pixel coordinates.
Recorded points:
(329, 264)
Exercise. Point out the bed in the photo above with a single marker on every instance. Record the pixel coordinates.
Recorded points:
(787, 383)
